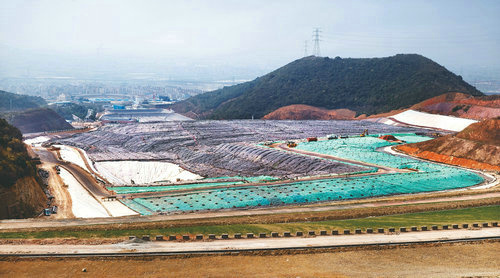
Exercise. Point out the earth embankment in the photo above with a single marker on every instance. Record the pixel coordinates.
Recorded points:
(476, 147)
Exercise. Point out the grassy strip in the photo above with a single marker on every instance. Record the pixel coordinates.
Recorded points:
(457, 216)
(145, 223)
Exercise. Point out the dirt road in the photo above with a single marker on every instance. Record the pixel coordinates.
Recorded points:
(441, 260)
(81, 175)
(252, 244)
(58, 190)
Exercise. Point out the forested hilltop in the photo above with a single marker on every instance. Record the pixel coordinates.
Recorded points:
(15, 102)
(367, 86)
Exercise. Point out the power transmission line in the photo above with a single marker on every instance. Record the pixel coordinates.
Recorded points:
(305, 49)
(316, 39)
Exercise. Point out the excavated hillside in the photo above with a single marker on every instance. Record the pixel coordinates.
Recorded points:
(462, 105)
(307, 112)
(22, 200)
(37, 120)
(476, 147)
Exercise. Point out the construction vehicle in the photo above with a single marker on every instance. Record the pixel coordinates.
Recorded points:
(291, 144)
(365, 132)
(47, 212)
(312, 139)
(332, 136)
(344, 136)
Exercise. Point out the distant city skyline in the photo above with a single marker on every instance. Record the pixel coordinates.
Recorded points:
(236, 39)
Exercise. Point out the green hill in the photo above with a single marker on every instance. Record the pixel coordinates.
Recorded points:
(21, 193)
(15, 102)
(367, 86)
(14, 160)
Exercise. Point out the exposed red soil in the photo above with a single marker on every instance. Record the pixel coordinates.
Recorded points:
(476, 147)
(463, 162)
(307, 112)
(453, 104)
(461, 105)
(486, 132)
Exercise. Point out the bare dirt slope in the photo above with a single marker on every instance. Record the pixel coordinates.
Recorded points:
(451, 104)
(462, 105)
(23, 199)
(38, 120)
(307, 112)
(477, 146)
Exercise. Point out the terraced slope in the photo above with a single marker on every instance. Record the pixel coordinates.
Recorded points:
(214, 148)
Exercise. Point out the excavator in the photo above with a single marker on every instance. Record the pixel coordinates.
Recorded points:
(291, 144)
(364, 133)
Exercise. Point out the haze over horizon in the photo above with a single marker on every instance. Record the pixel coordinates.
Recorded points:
(215, 40)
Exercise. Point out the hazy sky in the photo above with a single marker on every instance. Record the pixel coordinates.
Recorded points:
(254, 35)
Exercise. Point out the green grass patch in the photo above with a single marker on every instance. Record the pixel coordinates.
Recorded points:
(458, 216)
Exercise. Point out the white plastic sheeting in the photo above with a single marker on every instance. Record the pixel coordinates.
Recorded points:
(36, 140)
(84, 205)
(71, 155)
(142, 172)
(416, 118)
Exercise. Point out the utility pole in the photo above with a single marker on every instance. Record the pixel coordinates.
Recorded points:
(305, 48)
(316, 39)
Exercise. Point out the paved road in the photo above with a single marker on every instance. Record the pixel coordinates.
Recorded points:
(235, 245)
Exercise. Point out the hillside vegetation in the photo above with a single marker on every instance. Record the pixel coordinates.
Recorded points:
(367, 86)
(21, 194)
(15, 102)
(15, 162)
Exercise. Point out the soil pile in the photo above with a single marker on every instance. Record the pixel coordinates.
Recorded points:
(389, 138)
(307, 112)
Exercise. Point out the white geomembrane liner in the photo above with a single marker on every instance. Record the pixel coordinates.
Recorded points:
(417, 118)
(142, 172)
(36, 140)
(71, 155)
(83, 204)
